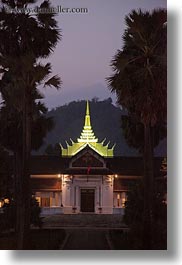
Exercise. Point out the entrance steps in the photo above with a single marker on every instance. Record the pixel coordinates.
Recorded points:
(83, 220)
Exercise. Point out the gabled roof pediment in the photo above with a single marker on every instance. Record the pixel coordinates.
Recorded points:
(87, 158)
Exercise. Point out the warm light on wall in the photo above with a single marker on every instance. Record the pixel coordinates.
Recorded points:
(116, 176)
(118, 199)
(124, 199)
(123, 202)
(38, 200)
(6, 200)
(59, 175)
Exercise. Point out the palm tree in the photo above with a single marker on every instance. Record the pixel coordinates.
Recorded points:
(133, 132)
(11, 135)
(25, 39)
(140, 83)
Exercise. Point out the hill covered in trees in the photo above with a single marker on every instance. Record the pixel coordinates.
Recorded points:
(106, 123)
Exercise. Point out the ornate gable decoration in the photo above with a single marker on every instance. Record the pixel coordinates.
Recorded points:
(87, 138)
(87, 160)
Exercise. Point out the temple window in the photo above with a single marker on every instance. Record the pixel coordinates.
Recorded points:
(45, 202)
(120, 199)
(123, 199)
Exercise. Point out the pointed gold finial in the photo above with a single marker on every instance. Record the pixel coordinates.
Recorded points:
(87, 116)
(103, 141)
(87, 109)
(113, 146)
(61, 146)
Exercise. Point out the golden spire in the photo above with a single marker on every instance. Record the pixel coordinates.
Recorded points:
(87, 134)
(87, 137)
(87, 117)
(87, 109)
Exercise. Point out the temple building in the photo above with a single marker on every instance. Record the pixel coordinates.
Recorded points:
(86, 177)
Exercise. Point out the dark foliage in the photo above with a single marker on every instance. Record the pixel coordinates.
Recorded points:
(133, 132)
(134, 213)
(8, 217)
(5, 178)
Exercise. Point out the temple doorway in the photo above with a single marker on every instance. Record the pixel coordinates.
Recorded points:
(87, 200)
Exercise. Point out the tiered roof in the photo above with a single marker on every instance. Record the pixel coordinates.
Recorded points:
(87, 137)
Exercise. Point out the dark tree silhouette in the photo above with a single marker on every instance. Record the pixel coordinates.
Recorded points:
(140, 83)
(25, 39)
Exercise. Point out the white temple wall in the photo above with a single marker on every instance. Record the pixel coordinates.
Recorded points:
(103, 193)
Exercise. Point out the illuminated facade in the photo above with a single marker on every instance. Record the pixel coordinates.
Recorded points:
(83, 183)
(86, 178)
(80, 192)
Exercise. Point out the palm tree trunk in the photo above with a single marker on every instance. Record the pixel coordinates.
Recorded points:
(148, 189)
(26, 167)
(23, 206)
(18, 189)
(19, 199)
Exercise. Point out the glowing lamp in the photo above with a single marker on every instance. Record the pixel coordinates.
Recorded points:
(6, 200)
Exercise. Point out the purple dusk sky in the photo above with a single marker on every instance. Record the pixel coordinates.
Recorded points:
(89, 42)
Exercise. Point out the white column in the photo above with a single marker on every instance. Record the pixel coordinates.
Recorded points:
(107, 195)
(66, 194)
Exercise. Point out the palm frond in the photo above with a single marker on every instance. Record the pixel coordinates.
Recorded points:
(54, 81)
